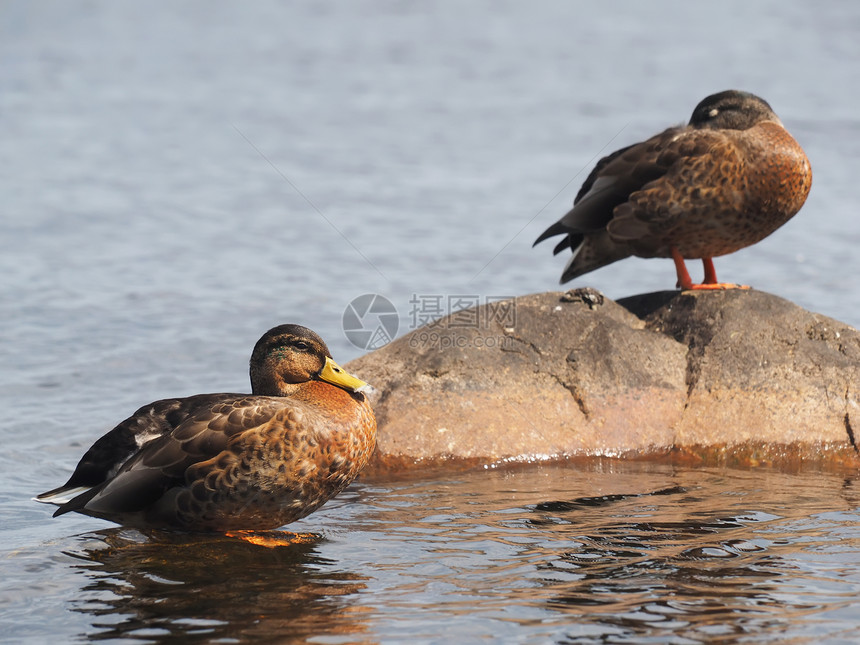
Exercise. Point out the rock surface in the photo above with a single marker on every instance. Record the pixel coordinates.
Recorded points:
(740, 376)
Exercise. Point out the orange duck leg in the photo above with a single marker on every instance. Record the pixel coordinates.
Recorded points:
(710, 282)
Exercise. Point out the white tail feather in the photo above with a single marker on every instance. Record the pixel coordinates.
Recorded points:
(62, 496)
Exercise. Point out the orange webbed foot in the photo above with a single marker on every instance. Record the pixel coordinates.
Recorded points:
(714, 286)
(273, 539)
(709, 284)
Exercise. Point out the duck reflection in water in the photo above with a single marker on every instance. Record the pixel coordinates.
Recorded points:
(173, 587)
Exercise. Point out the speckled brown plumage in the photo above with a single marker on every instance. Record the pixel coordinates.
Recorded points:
(726, 180)
(222, 462)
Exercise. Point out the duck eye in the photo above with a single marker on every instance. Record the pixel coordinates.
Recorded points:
(301, 345)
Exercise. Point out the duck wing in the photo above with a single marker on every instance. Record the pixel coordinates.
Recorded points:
(161, 463)
(107, 455)
(692, 205)
(610, 183)
(635, 195)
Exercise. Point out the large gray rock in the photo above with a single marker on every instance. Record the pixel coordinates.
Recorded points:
(722, 375)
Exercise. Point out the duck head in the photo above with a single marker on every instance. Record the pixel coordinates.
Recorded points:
(732, 110)
(288, 356)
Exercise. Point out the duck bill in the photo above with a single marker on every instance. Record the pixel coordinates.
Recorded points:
(336, 375)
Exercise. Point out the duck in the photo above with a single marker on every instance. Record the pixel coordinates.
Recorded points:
(725, 181)
(233, 462)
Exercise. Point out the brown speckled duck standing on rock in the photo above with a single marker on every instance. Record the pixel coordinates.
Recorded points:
(726, 180)
(225, 462)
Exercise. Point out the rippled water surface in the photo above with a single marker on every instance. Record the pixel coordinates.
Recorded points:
(176, 179)
(567, 553)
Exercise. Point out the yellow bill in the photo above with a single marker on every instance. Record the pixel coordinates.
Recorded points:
(336, 375)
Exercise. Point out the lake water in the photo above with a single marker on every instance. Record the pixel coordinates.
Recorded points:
(178, 179)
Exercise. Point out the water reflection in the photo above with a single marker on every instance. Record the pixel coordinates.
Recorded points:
(689, 567)
(168, 588)
(602, 553)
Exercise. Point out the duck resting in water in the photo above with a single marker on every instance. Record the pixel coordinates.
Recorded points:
(228, 462)
(726, 180)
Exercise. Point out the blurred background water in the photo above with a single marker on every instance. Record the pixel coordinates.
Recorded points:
(176, 179)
